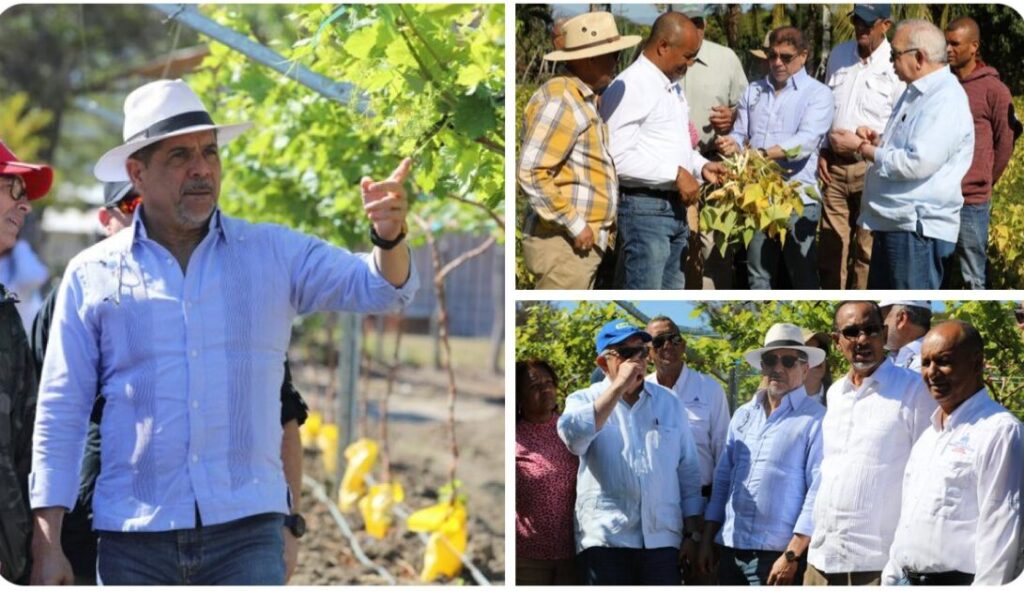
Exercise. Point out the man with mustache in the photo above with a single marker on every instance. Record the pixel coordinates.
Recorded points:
(785, 116)
(960, 522)
(767, 478)
(707, 410)
(875, 413)
(659, 171)
(865, 88)
(906, 323)
(638, 486)
(20, 183)
(181, 323)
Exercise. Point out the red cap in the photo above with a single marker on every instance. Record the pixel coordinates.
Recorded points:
(37, 177)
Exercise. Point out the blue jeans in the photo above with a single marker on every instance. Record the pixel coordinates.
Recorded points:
(630, 566)
(751, 567)
(651, 243)
(908, 260)
(248, 551)
(973, 243)
(800, 253)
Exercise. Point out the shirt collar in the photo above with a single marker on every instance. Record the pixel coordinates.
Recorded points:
(880, 56)
(138, 231)
(962, 412)
(654, 71)
(796, 81)
(794, 398)
(931, 81)
(585, 92)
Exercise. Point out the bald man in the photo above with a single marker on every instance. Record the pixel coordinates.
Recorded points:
(961, 518)
(991, 108)
(659, 171)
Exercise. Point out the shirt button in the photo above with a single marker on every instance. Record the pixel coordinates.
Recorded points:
(195, 458)
(170, 261)
(195, 404)
(194, 353)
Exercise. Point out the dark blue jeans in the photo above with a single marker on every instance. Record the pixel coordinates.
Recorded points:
(651, 243)
(908, 260)
(800, 253)
(247, 551)
(630, 566)
(972, 245)
(751, 567)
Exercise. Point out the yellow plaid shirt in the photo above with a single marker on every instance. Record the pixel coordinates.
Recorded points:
(565, 166)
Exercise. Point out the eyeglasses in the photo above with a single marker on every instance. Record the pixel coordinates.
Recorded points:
(626, 353)
(853, 332)
(129, 205)
(785, 57)
(788, 361)
(660, 340)
(896, 54)
(16, 187)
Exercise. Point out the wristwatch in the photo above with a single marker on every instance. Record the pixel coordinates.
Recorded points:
(296, 524)
(791, 556)
(695, 536)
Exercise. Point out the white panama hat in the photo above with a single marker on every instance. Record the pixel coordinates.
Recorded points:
(785, 336)
(155, 111)
(926, 304)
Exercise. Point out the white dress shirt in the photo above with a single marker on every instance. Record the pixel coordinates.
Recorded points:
(865, 91)
(961, 496)
(909, 355)
(649, 128)
(708, 413)
(868, 433)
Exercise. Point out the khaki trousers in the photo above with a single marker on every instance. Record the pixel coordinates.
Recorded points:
(844, 249)
(557, 265)
(545, 572)
(814, 576)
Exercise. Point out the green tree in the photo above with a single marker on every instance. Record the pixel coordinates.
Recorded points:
(1004, 349)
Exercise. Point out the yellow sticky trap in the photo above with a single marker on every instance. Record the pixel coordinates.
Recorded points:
(446, 523)
(376, 507)
(361, 455)
(327, 441)
(309, 430)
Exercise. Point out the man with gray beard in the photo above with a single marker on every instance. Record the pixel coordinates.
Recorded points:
(875, 413)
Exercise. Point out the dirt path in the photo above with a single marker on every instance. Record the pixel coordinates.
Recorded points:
(420, 461)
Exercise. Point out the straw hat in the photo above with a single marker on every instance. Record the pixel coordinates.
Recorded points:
(591, 34)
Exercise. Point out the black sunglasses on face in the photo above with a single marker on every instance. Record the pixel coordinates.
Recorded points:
(785, 57)
(854, 332)
(788, 361)
(626, 353)
(660, 340)
(895, 55)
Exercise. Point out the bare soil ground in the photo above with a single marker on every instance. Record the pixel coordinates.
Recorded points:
(421, 459)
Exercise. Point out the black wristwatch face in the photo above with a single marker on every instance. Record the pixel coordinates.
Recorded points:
(296, 523)
(790, 556)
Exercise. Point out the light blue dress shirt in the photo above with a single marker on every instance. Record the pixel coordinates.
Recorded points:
(926, 149)
(190, 365)
(766, 480)
(638, 476)
(799, 116)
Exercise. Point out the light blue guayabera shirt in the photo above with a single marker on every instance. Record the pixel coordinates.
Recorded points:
(926, 149)
(799, 116)
(638, 476)
(190, 366)
(766, 480)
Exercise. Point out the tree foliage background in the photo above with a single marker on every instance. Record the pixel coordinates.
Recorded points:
(565, 338)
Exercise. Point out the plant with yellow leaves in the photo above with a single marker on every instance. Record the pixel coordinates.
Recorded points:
(754, 195)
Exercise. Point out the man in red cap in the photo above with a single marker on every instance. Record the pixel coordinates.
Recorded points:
(19, 183)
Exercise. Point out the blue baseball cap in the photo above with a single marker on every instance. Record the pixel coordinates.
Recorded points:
(616, 331)
(870, 13)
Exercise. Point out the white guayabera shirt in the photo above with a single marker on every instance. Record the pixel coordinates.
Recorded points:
(868, 433)
(961, 496)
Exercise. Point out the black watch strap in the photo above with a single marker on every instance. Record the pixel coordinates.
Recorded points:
(386, 244)
(296, 524)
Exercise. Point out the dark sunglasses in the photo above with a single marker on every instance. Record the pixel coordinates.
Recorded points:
(854, 332)
(788, 361)
(626, 353)
(785, 57)
(660, 340)
(896, 54)
(129, 205)
(16, 187)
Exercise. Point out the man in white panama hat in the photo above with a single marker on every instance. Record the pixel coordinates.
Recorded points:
(565, 166)
(766, 480)
(907, 321)
(181, 323)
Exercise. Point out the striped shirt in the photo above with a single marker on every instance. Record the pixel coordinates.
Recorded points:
(565, 167)
(190, 366)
